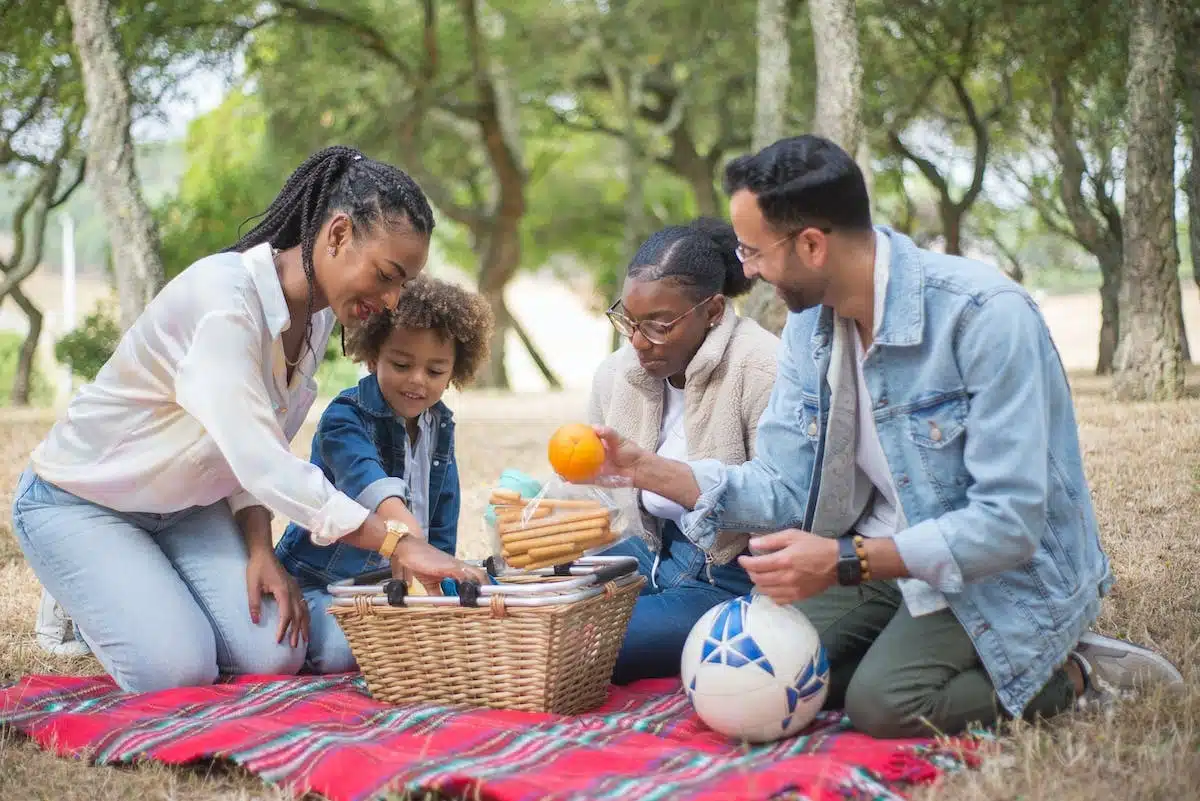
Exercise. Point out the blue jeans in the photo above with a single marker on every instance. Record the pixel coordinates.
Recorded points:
(160, 599)
(679, 589)
(328, 649)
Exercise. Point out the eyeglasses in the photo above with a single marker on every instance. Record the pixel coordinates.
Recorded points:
(655, 332)
(746, 253)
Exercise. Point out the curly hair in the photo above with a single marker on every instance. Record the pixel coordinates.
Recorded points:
(458, 314)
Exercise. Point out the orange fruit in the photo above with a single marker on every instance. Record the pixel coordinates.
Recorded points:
(576, 452)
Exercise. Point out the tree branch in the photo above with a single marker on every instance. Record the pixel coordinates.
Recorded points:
(428, 72)
(980, 130)
(23, 262)
(503, 158)
(367, 36)
(927, 167)
(593, 125)
(1088, 230)
(71, 187)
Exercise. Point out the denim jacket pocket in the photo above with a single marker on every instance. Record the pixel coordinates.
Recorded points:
(810, 420)
(938, 429)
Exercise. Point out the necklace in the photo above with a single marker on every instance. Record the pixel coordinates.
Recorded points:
(300, 358)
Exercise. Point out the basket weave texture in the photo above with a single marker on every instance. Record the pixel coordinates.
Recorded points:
(557, 658)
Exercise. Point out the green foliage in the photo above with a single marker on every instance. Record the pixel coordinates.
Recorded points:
(232, 174)
(90, 345)
(41, 393)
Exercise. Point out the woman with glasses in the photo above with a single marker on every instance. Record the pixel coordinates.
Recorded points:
(690, 383)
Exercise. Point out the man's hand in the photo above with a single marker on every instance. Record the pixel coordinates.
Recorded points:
(265, 576)
(794, 565)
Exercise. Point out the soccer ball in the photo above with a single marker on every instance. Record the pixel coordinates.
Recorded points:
(754, 670)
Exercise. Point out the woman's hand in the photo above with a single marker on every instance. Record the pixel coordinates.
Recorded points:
(265, 576)
(621, 455)
(417, 557)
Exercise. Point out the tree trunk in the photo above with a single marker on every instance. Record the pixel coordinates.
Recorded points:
(1110, 297)
(499, 257)
(952, 228)
(22, 380)
(772, 83)
(111, 167)
(839, 72)
(774, 72)
(1189, 70)
(1185, 350)
(1148, 363)
(697, 170)
(1193, 193)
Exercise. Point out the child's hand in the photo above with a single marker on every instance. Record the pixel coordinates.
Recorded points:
(415, 556)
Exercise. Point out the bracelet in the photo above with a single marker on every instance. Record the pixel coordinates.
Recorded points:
(860, 549)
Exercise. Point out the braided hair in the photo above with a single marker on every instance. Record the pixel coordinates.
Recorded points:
(700, 257)
(337, 178)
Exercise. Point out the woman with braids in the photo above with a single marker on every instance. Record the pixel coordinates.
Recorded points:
(691, 384)
(146, 511)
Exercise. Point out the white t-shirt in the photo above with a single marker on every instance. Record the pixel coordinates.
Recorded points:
(195, 406)
(418, 463)
(672, 444)
(885, 516)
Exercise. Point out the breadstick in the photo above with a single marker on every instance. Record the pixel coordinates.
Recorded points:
(552, 522)
(556, 503)
(500, 496)
(566, 537)
(514, 514)
(563, 531)
(566, 549)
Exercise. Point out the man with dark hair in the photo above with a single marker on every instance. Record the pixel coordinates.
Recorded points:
(920, 455)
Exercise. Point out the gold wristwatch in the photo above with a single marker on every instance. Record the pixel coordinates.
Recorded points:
(396, 531)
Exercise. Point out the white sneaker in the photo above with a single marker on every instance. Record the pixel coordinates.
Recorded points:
(1115, 668)
(56, 631)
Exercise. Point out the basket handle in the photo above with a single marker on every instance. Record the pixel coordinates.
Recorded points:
(372, 577)
(614, 571)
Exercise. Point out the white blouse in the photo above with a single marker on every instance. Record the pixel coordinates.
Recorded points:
(194, 406)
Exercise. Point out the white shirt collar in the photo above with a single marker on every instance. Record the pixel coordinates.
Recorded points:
(261, 264)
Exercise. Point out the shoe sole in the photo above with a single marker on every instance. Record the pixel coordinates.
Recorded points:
(1119, 649)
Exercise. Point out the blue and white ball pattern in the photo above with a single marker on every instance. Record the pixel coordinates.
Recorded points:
(754, 670)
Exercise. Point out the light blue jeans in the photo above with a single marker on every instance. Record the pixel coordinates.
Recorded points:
(160, 599)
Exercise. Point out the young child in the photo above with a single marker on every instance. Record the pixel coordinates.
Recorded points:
(389, 442)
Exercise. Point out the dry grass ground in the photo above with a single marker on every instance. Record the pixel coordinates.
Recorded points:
(1144, 466)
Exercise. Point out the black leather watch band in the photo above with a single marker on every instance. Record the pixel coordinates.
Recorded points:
(849, 568)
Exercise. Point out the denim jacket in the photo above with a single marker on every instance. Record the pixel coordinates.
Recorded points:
(976, 420)
(360, 445)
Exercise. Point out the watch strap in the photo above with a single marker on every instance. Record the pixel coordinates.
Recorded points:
(396, 531)
(849, 566)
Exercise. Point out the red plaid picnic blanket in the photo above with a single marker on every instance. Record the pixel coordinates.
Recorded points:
(326, 735)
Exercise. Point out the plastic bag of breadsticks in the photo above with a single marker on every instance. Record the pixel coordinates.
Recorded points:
(561, 523)
(534, 524)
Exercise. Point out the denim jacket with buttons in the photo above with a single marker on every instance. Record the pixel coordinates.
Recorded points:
(975, 416)
(360, 446)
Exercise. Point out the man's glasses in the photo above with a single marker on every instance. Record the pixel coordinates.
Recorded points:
(654, 331)
(746, 253)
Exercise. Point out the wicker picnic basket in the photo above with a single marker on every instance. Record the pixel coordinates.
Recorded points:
(541, 641)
